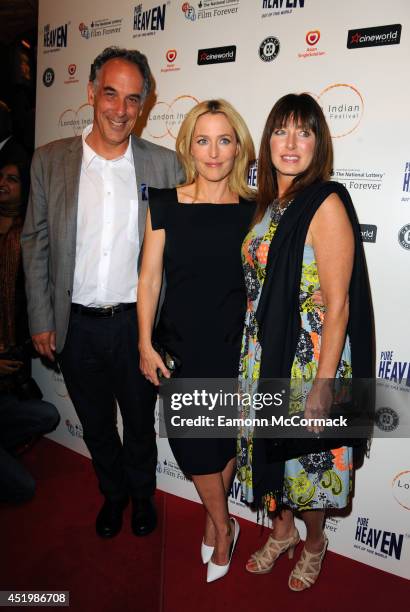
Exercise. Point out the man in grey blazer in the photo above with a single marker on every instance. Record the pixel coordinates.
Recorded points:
(81, 242)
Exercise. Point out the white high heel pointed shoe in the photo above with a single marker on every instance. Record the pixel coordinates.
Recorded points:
(206, 552)
(218, 571)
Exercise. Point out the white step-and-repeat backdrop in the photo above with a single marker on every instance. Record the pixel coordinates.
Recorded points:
(353, 57)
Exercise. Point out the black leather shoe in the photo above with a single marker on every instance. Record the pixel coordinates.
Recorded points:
(144, 516)
(109, 519)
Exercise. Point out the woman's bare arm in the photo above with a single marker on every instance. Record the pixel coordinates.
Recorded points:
(332, 239)
(149, 286)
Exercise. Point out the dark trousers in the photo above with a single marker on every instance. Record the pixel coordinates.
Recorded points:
(100, 364)
(20, 421)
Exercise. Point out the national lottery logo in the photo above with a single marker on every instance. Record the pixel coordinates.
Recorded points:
(269, 49)
(404, 237)
(100, 27)
(209, 9)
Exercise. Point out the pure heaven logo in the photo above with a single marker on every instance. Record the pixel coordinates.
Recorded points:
(149, 21)
(378, 542)
(374, 37)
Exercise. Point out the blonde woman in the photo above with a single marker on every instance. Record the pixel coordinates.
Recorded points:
(195, 233)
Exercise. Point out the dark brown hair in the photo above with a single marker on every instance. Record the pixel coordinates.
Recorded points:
(304, 111)
(129, 55)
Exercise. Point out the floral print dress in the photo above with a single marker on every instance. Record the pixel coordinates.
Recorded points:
(318, 480)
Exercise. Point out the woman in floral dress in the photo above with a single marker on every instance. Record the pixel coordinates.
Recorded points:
(312, 225)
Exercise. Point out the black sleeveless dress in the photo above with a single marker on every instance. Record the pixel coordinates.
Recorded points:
(202, 316)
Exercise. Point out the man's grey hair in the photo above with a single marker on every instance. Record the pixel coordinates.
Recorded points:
(130, 55)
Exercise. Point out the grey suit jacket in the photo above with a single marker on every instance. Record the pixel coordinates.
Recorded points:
(49, 233)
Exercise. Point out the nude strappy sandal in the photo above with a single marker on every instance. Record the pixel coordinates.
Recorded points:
(265, 557)
(308, 567)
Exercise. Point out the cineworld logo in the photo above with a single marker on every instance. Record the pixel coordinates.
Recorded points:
(369, 232)
(380, 543)
(216, 55)
(55, 38)
(151, 20)
(278, 4)
(396, 371)
(374, 37)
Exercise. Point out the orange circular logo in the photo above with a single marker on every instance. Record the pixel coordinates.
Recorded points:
(165, 119)
(401, 489)
(313, 37)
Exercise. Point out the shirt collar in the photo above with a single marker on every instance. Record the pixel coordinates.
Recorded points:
(89, 154)
(3, 142)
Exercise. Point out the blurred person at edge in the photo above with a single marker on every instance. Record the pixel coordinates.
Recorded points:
(23, 415)
(305, 233)
(10, 147)
(81, 241)
(194, 233)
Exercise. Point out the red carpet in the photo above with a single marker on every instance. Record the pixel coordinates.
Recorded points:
(50, 544)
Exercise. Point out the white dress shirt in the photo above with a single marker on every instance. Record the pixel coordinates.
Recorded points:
(107, 230)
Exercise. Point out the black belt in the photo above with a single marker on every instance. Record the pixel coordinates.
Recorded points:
(105, 311)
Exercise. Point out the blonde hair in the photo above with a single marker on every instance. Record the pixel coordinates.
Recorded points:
(238, 178)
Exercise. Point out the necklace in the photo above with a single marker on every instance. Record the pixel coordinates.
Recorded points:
(277, 211)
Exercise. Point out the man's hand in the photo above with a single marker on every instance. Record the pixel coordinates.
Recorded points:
(9, 366)
(45, 344)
